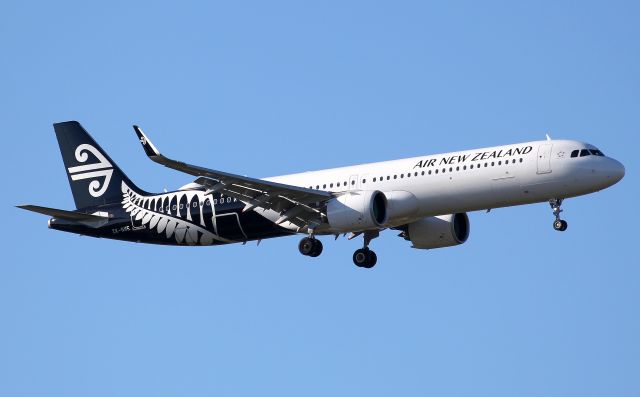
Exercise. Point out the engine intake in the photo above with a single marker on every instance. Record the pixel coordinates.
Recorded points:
(438, 231)
(357, 211)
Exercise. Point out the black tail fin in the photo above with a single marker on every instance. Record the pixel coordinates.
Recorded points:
(95, 179)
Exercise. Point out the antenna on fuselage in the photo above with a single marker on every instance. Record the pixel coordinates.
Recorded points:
(548, 137)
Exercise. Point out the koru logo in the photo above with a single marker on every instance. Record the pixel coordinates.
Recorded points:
(143, 140)
(102, 168)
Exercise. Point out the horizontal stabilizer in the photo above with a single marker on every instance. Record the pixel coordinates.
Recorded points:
(63, 214)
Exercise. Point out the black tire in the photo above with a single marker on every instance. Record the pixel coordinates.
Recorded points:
(373, 259)
(306, 246)
(317, 249)
(361, 257)
(557, 224)
(564, 226)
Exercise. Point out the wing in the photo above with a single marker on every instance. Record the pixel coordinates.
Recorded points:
(298, 205)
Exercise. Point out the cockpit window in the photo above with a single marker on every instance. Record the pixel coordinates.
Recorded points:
(586, 152)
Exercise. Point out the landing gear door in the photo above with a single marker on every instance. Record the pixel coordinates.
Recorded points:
(544, 158)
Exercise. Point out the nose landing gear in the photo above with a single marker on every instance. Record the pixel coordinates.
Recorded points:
(559, 224)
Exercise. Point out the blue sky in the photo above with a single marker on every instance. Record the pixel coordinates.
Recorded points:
(267, 88)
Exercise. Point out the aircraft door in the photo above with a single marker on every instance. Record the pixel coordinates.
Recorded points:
(228, 226)
(544, 158)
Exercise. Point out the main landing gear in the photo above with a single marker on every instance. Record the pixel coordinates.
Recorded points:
(559, 224)
(310, 246)
(365, 257)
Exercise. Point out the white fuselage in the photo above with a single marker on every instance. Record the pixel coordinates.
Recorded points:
(473, 180)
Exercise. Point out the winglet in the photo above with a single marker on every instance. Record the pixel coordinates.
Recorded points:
(147, 145)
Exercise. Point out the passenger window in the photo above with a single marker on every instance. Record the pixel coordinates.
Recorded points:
(584, 152)
(575, 153)
(353, 182)
(486, 165)
(422, 173)
(500, 162)
(374, 178)
(521, 160)
(464, 168)
(458, 168)
(395, 177)
(324, 186)
(450, 169)
(331, 185)
(436, 171)
(401, 175)
(471, 166)
(364, 181)
(429, 172)
(416, 173)
(444, 170)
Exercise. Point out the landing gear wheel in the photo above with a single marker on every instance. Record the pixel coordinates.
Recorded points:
(317, 248)
(306, 246)
(560, 225)
(373, 259)
(364, 257)
(310, 247)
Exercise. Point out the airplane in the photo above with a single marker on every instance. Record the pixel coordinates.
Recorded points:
(426, 199)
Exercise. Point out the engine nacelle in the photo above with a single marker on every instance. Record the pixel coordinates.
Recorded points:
(438, 231)
(402, 207)
(357, 211)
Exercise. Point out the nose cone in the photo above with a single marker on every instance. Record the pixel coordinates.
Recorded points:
(614, 171)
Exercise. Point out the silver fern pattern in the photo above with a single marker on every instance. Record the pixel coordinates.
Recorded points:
(173, 214)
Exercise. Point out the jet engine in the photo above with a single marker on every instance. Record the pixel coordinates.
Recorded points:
(401, 207)
(437, 231)
(357, 211)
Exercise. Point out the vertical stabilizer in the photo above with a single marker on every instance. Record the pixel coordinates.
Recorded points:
(95, 179)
